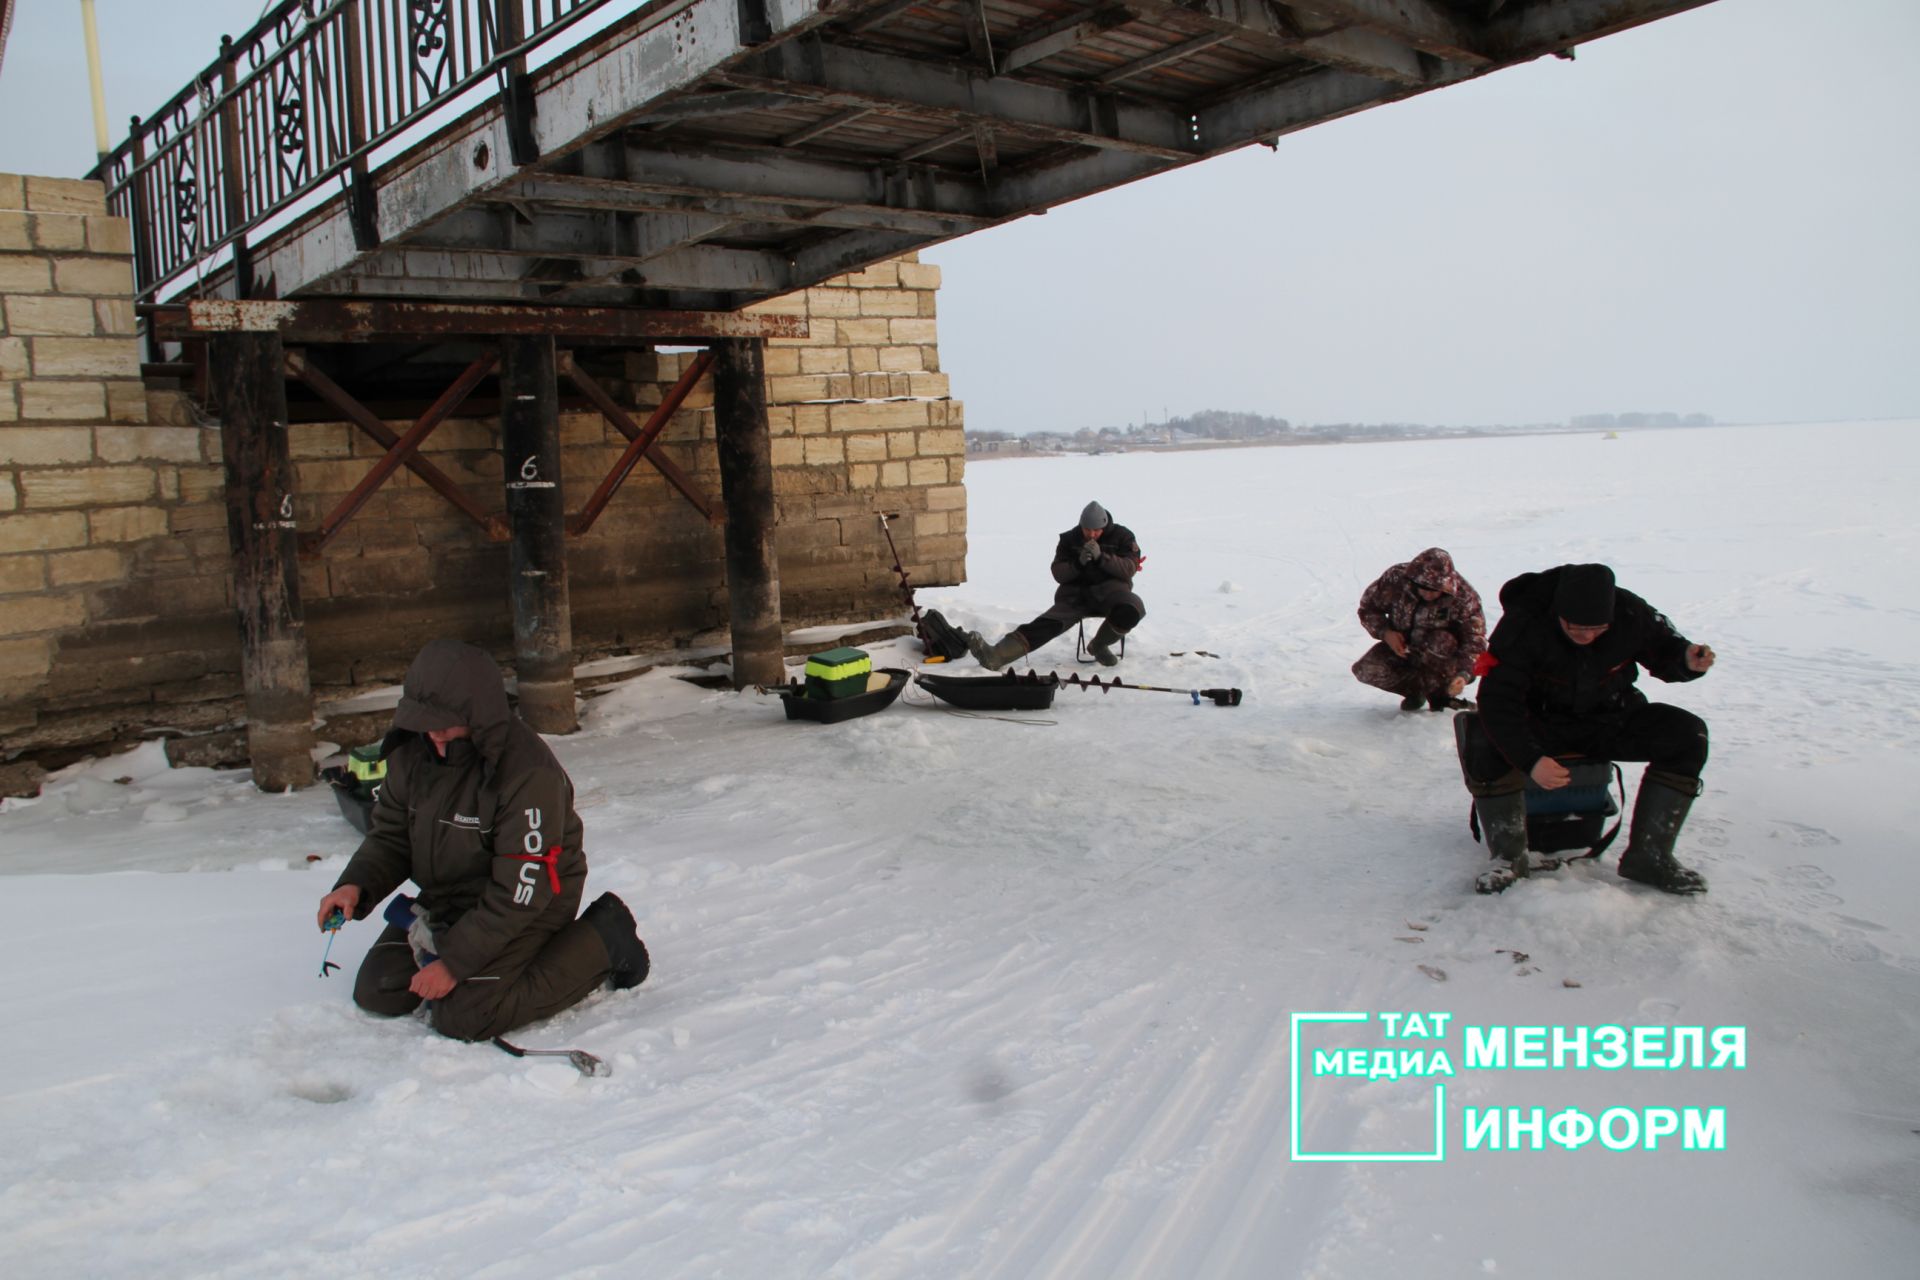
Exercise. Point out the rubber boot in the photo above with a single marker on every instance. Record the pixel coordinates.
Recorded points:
(1503, 824)
(626, 954)
(994, 656)
(1101, 646)
(1659, 811)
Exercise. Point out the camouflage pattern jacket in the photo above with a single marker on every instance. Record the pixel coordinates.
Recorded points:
(1448, 633)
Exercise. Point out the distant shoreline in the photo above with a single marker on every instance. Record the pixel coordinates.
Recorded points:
(1207, 446)
(1202, 446)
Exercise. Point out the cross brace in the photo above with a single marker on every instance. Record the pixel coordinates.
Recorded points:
(642, 440)
(398, 453)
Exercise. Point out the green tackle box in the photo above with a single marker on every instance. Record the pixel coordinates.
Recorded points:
(367, 765)
(838, 673)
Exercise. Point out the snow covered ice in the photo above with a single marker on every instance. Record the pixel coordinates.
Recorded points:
(939, 996)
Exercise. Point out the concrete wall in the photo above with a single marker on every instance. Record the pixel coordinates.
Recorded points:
(116, 616)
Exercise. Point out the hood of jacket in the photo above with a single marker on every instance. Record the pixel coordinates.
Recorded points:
(1433, 569)
(451, 683)
(1532, 593)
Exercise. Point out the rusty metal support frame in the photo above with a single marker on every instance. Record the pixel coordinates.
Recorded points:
(641, 441)
(311, 320)
(495, 526)
(397, 454)
(336, 321)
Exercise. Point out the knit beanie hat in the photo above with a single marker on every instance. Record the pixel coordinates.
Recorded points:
(1094, 516)
(1585, 595)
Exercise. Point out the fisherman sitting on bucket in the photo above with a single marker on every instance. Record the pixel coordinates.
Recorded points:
(1094, 563)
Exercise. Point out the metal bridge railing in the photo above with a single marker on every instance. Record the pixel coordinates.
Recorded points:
(304, 98)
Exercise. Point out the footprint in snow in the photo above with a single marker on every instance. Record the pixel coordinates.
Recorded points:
(1711, 834)
(1801, 834)
(325, 1092)
(1851, 946)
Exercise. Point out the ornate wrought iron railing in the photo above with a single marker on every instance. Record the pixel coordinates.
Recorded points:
(305, 98)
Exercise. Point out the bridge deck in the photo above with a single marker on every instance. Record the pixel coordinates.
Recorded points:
(709, 154)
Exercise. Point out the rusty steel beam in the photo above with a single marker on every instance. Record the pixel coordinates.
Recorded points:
(637, 445)
(1422, 24)
(885, 13)
(495, 526)
(313, 543)
(1036, 44)
(824, 127)
(1272, 32)
(612, 411)
(1166, 57)
(372, 319)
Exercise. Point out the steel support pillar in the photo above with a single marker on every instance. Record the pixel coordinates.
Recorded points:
(247, 367)
(746, 489)
(536, 514)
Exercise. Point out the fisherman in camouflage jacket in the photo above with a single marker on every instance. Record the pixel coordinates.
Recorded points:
(1430, 628)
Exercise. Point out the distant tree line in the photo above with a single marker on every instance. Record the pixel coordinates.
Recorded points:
(1218, 425)
(1607, 421)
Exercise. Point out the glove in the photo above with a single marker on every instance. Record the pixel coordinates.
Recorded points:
(404, 913)
(1089, 551)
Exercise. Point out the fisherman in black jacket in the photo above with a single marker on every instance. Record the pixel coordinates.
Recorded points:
(1564, 660)
(1094, 563)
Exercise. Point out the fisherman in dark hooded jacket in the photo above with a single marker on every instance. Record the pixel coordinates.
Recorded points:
(1564, 660)
(479, 814)
(1094, 562)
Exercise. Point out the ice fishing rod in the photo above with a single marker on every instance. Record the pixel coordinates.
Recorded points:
(582, 1061)
(1219, 697)
(331, 926)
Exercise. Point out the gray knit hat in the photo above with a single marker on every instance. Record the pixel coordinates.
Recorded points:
(1094, 516)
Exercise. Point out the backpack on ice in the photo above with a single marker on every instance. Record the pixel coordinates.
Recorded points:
(940, 638)
(1570, 817)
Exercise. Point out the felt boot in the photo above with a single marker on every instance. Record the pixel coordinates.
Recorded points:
(625, 952)
(1101, 646)
(1503, 823)
(1659, 811)
(1003, 651)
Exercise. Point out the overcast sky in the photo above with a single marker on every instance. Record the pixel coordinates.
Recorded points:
(1715, 213)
